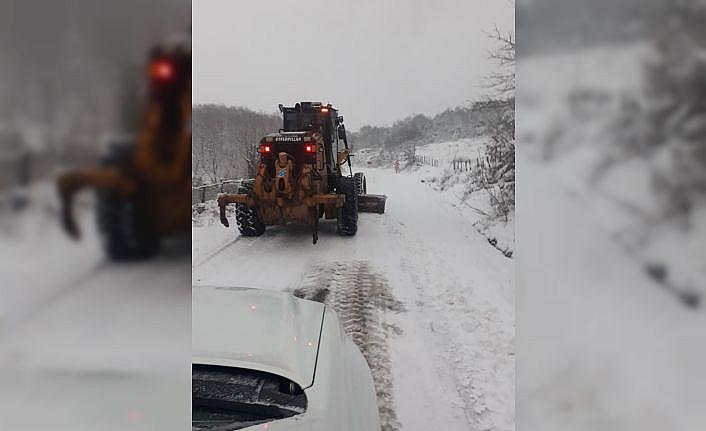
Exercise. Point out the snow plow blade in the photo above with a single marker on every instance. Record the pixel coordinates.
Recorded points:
(372, 203)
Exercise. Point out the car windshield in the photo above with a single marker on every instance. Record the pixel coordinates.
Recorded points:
(227, 398)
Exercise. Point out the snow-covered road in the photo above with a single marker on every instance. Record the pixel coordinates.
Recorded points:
(89, 345)
(441, 300)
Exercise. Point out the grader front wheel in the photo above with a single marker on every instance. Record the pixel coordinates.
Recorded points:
(361, 185)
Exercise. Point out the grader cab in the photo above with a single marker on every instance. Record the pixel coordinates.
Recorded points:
(144, 185)
(302, 177)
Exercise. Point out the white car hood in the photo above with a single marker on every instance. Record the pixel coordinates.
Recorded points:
(262, 330)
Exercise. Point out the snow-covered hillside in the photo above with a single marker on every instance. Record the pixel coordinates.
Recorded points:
(611, 333)
(438, 294)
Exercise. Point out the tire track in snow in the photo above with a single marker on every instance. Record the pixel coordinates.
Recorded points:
(227, 244)
(60, 293)
(361, 299)
(473, 351)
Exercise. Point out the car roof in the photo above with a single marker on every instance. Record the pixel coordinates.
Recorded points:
(256, 329)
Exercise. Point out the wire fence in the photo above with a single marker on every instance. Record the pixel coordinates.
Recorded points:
(462, 165)
(426, 160)
(207, 192)
(458, 165)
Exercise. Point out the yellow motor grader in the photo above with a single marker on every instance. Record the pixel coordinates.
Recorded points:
(300, 177)
(143, 186)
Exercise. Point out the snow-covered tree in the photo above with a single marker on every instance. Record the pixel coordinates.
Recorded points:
(496, 172)
(225, 141)
(675, 103)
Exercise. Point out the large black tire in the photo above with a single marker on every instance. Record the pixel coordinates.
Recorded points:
(126, 230)
(348, 213)
(361, 187)
(249, 221)
(124, 225)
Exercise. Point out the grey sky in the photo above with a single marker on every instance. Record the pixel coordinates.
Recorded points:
(378, 60)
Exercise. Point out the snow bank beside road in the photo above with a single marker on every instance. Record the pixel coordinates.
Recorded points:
(604, 343)
(455, 188)
(578, 129)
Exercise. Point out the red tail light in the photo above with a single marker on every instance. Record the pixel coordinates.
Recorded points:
(162, 70)
(265, 149)
(310, 148)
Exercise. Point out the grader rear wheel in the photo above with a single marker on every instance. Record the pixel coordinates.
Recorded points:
(348, 213)
(249, 221)
(125, 228)
(124, 224)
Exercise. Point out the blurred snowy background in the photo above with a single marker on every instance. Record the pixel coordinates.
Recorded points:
(87, 344)
(611, 215)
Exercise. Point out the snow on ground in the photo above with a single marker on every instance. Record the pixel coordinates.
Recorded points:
(446, 152)
(453, 187)
(572, 126)
(449, 333)
(85, 344)
(602, 344)
(32, 247)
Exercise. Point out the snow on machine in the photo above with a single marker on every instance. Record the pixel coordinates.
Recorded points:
(269, 360)
(301, 177)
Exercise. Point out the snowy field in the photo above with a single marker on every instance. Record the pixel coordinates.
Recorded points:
(604, 342)
(85, 344)
(439, 320)
(462, 149)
